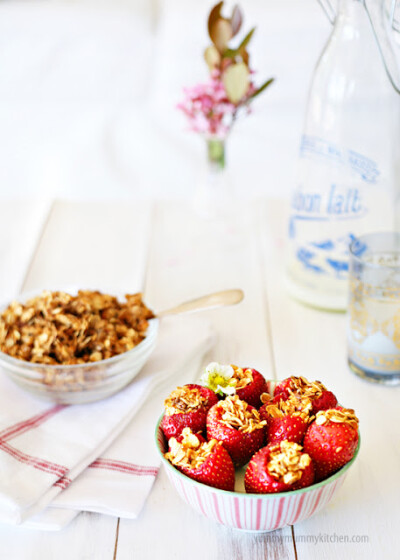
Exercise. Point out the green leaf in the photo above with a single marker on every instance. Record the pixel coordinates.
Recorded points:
(262, 88)
(236, 79)
(241, 49)
(246, 40)
(231, 53)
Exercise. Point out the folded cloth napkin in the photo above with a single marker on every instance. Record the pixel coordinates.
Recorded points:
(44, 448)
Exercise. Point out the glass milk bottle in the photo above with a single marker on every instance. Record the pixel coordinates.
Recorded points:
(347, 182)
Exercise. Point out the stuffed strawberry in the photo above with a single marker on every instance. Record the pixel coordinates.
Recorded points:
(331, 440)
(279, 467)
(224, 380)
(207, 462)
(237, 425)
(319, 395)
(187, 406)
(286, 419)
(250, 385)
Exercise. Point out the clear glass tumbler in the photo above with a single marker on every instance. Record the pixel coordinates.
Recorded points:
(374, 307)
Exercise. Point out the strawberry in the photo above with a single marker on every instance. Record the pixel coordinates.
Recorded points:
(279, 467)
(187, 406)
(290, 428)
(331, 440)
(286, 419)
(237, 425)
(326, 400)
(250, 385)
(315, 391)
(207, 462)
(282, 388)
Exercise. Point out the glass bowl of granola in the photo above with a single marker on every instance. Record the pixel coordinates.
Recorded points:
(75, 347)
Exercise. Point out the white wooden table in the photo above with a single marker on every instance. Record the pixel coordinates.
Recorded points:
(172, 255)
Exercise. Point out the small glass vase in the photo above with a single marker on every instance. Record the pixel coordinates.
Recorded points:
(213, 196)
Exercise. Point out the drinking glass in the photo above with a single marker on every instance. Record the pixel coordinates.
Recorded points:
(374, 307)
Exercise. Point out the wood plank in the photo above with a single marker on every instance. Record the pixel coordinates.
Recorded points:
(21, 223)
(313, 343)
(94, 244)
(190, 257)
(100, 245)
(88, 536)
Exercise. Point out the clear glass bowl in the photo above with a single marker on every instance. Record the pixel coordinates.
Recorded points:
(80, 383)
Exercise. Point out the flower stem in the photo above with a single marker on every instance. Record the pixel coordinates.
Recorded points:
(216, 152)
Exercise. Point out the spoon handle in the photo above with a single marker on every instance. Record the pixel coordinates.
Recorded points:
(217, 299)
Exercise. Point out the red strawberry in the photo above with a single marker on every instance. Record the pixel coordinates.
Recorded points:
(207, 462)
(279, 467)
(325, 401)
(331, 440)
(282, 388)
(187, 406)
(320, 397)
(291, 428)
(286, 419)
(237, 425)
(251, 385)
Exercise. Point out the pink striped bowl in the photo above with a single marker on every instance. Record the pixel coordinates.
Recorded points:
(252, 512)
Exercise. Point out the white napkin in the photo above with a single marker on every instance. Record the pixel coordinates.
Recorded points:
(43, 448)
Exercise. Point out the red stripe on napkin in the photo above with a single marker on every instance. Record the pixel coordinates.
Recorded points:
(124, 467)
(35, 462)
(25, 425)
(63, 482)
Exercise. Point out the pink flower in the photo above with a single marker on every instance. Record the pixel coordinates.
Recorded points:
(208, 109)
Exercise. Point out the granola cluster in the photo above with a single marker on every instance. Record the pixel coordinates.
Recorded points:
(57, 328)
(287, 462)
(293, 406)
(190, 452)
(307, 389)
(183, 400)
(241, 377)
(237, 414)
(339, 416)
(302, 389)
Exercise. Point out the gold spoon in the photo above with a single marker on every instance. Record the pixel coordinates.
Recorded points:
(210, 301)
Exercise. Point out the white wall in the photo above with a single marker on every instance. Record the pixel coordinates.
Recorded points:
(88, 93)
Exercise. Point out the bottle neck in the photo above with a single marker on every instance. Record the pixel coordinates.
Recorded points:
(349, 9)
(371, 18)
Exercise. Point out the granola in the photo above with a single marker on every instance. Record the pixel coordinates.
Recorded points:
(57, 328)
(237, 414)
(287, 462)
(183, 400)
(241, 378)
(190, 452)
(293, 406)
(339, 416)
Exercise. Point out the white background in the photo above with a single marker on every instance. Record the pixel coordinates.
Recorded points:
(88, 92)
